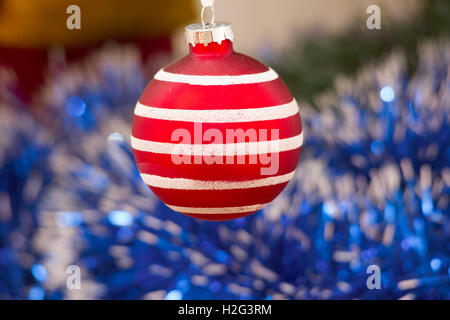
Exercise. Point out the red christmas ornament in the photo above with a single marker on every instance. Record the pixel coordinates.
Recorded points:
(216, 135)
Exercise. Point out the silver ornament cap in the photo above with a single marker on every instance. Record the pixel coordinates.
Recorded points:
(199, 33)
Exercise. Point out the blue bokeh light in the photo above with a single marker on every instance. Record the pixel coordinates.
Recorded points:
(377, 147)
(125, 234)
(115, 137)
(36, 293)
(174, 295)
(75, 107)
(435, 264)
(328, 209)
(39, 272)
(120, 218)
(387, 94)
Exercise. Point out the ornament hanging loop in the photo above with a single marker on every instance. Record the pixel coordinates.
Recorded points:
(208, 4)
(208, 31)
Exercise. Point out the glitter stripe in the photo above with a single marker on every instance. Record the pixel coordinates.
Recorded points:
(223, 210)
(216, 149)
(218, 116)
(266, 76)
(192, 184)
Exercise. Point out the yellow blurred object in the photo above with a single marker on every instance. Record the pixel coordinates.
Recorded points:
(42, 23)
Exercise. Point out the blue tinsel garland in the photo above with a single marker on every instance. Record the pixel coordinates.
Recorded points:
(372, 187)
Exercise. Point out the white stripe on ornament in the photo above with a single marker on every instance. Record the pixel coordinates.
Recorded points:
(216, 149)
(199, 80)
(223, 210)
(219, 116)
(194, 184)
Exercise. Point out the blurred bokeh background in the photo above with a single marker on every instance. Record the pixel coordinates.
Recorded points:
(372, 185)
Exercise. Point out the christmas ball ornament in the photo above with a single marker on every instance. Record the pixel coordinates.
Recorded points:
(216, 135)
